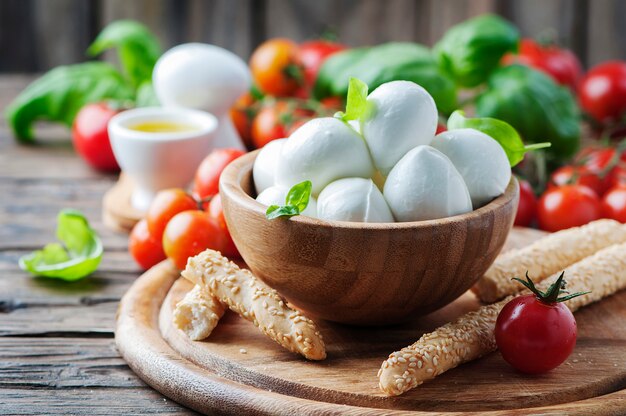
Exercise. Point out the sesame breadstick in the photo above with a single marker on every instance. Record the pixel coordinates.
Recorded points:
(546, 256)
(472, 335)
(198, 313)
(257, 302)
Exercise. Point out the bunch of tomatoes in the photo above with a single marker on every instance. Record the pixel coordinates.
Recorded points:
(284, 74)
(179, 225)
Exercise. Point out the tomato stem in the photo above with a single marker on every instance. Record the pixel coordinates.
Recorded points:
(554, 292)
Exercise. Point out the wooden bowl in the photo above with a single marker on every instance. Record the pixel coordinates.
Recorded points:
(364, 273)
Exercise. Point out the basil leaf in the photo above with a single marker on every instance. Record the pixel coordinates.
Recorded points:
(275, 211)
(500, 131)
(138, 49)
(383, 63)
(80, 256)
(538, 108)
(60, 93)
(471, 50)
(299, 195)
(356, 103)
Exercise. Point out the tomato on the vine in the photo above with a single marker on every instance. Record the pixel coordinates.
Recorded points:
(242, 114)
(165, 205)
(577, 175)
(567, 206)
(614, 204)
(313, 54)
(536, 333)
(207, 179)
(527, 208)
(602, 91)
(91, 137)
(278, 120)
(276, 67)
(216, 213)
(146, 249)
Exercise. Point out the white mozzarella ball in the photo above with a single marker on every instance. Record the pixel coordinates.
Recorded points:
(425, 185)
(479, 159)
(322, 151)
(275, 195)
(353, 199)
(264, 169)
(402, 115)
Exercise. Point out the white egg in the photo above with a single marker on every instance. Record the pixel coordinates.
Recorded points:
(353, 199)
(275, 195)
(425, 185)
(479, 159)
(402, 115)
(322, 151)
(264, 169)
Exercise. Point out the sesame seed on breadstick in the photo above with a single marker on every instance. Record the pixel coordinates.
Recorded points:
(546, 256)
(472, 335)
(198, 313)
(255, 301)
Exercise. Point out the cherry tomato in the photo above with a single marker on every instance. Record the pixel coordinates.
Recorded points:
(91, 138)
(568, 206)
(602, 91)
(313, 54)
(166, 204)
(441, 128)
(207, 180)
(616, 177)
(614, 204)
(533, 336)
(190, 233)
(278, 121)
(276, 67)
(575, 175)
(146, 249)
(560, 64)
(527, 208)
(242, 114)
(216, 213)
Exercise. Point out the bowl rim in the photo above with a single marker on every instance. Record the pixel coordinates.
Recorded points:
(230, 180)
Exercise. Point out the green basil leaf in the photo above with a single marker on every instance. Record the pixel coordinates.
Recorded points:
(471, 50)
(146, 96)
(500, 131)
(60, 93)
(383, 63)
(275, 211)
(138, 49)
(356, 102)
(79, 256)
(299, 195)
(538, 108)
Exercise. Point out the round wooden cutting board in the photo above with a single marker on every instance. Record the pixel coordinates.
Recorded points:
(238, 370)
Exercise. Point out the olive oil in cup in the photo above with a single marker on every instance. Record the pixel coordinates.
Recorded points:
(160, 147)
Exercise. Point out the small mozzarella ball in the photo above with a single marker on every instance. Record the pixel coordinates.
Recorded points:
(264, 169)
(479, 159)
(353, 199)
(425, 185)
(275, 195)
(322, 151)
(402, 115)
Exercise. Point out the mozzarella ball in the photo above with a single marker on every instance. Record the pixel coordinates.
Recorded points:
(264, 169)
(402, 115)
(322, 151)
(353, 199)
(425, 185)
(479, 159)
(275, 195)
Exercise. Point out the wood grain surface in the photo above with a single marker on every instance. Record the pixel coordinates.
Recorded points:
(590, 380)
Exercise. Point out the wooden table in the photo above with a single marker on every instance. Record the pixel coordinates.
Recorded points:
(57, 352)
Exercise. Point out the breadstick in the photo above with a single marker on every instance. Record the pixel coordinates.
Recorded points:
(472, 335)
(198, 313)
(546, 256)
(257, 302)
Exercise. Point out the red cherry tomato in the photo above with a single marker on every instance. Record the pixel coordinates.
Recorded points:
(527, 208)
(190, 233)
(242, 114)
(614, 204)
(602, 91)
(278, 121)
(144, 247)
(276, 67)
(207, 180)
(216, 213)
(441, 128)
(313, 54)
(568, 206)
(91, 138)
(561, 64)
(535, 337)
(574, 175)
(166, 204)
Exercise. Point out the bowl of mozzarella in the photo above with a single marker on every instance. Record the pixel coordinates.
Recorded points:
(401, 221)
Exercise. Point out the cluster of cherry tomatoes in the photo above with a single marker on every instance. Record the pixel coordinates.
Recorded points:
(284, 75)
(180, 225)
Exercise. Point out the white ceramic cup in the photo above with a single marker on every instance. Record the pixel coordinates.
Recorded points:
(156, 161)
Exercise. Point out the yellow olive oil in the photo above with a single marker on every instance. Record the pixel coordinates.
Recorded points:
(162, 127)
